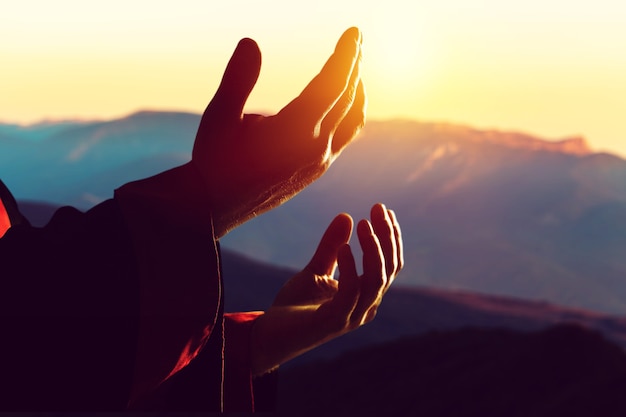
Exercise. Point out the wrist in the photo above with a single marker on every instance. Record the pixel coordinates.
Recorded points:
(176, 198)
(260, 363)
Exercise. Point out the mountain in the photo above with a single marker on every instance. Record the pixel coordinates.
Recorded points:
(448, 353)
(557, 372)
(80, 164)
(37, 213)
(251, 285)
(486, 211)
(482, 210)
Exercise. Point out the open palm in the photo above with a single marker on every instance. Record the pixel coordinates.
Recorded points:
(313, 308)
(252, 163)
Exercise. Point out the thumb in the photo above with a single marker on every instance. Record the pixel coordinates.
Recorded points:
(336, 235)
(237, 82)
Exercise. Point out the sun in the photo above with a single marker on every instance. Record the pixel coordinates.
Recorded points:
(399, 65)
(396, 55)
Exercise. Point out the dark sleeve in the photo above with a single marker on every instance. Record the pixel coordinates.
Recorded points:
(190, 357)
(68, 313)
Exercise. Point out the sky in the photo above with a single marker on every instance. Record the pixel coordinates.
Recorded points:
(552, 68)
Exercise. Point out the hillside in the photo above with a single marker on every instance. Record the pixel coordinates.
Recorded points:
(564, 371)
(492, 212)
(252, 285)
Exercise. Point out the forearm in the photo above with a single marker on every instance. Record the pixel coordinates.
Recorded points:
(169, 218)
(284, 333)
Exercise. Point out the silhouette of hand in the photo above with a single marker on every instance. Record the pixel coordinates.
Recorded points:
(313, 308)
(251, 163)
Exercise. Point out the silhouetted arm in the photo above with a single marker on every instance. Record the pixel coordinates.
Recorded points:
(189, 359)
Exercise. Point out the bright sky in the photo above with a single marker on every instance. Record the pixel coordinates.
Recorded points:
(553, 68)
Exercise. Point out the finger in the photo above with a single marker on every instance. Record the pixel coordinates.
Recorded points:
(347, 295)
(383, 227)
(321, 94)
(237, 82)
(337, 234)
(373, 258)
(399, 244)
(352, 123)
(344, 104)
(373, 280)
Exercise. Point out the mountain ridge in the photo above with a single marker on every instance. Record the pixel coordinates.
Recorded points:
(483, 211)
(575, 144)
(563, 370)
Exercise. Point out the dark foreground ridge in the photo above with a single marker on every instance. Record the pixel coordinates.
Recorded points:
(561, 371)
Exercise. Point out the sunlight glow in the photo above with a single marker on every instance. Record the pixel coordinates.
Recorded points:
(552, 68)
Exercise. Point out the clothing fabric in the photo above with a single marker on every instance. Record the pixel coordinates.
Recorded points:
(121, 307)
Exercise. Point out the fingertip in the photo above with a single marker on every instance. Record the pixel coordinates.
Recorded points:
(350, 40)
(337, 234)
(247, 49)
(378, 210)
(352, 32)
(340, 228)
(247, 42)
(240, 76)
(365, 226)
(394, 218)
(344, 219)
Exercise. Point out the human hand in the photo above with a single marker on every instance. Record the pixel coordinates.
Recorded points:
(313, 308)
(251, 163)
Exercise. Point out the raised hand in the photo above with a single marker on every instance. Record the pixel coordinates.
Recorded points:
(312, 307)
(252, 163)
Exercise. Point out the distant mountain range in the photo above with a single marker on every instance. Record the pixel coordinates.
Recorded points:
(80, 163)
(494, 212)
(252, 285)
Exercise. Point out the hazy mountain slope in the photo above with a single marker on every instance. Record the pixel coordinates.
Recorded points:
(488, 211)
(37, 213)
(562, 371)
(251, 285)
(81, 164)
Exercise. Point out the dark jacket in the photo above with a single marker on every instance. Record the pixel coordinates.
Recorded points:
(119, 308)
